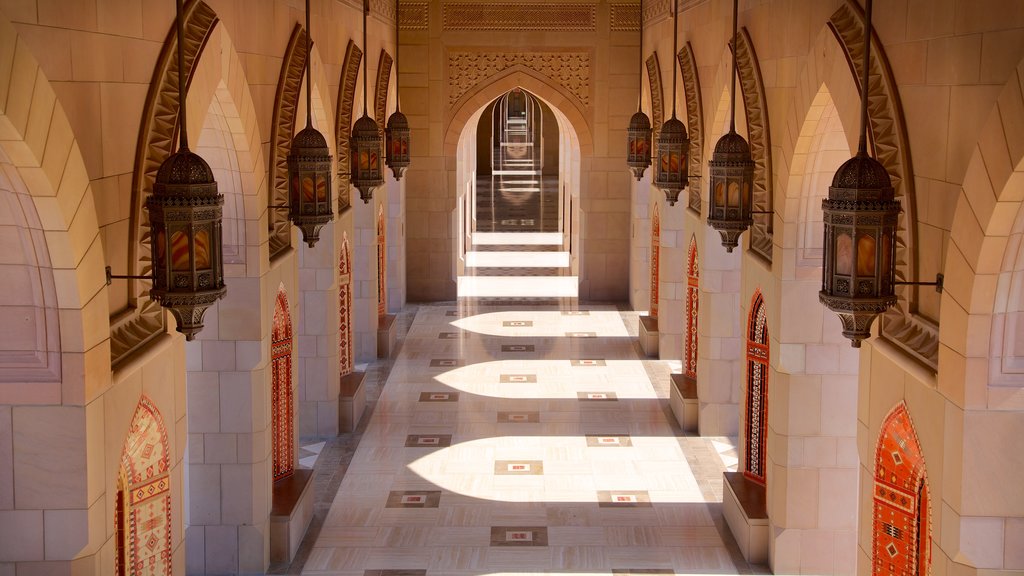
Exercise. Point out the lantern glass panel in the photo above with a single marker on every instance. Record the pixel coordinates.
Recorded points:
(734, 194)
(161, 249)
(720, 194)
(844, 254)
(179, 252)
(865, 255)
(202, 249)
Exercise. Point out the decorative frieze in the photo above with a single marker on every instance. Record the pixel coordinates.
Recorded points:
(625, 17)
(758, 135)
(466, 69)
(562, 17)
(286, 106)
(694, 121)
(343, 119)
(380, 97)
(657, 107)
(414, 15)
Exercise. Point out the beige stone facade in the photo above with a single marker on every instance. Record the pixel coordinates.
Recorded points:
(88, 111)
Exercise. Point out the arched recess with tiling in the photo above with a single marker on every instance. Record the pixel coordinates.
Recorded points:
(282, 390)
(692, 309)
(755, 420)
(655, 260)
(345, 353)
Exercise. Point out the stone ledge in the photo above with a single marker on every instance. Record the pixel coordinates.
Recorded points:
(351, 401)
(682, 397)
(290, 513)
(743, 504)
(386, 334)
(649, 335)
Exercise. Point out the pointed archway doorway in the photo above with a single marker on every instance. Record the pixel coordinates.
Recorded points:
(518, 182)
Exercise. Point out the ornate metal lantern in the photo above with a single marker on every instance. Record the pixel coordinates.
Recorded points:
(397, 134)
(671, 170)
(732, 177)
(638, 135)
(860, 214)
(639, 144)
(672, 167)
(731, 171)
(367, 173)
(185, 215)
(309, 184)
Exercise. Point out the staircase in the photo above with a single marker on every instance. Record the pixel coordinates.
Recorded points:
(518, 265)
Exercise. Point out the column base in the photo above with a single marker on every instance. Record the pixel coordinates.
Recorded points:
(743, 504)
(290, 514)
(682, 397)
(351, 401)
(649, 336)
(386, 335)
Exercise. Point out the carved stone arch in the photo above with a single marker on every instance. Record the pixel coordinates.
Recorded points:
(901, 531)
(143, 319)
(694, 121)
(657, 95)
(380, 100)
(143, 503)
(282, 129)
(914, 334)
(343, 125)
(755, 105)
(545, 88)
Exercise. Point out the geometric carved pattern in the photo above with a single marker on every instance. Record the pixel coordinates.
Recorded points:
(900, 520)
(143, 513)
(901, 325)
(507, 16)
(657, 110)
(343, 128)
(756, 106)
(144, 318)
(282, 413)
(694, 119)
(625, 17)
(657, 9)
(569, 69)
(282, 130)
(380, 102)
(655, 257)
(382, 261)
(757, 390)
(345, 361)
(692, 302)
(414, 15)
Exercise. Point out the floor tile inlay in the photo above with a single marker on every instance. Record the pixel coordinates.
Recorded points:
(439, 396)
(517, 347)
(518, 379)
(608, 441)
(518, 417)
(518, 467)
(428, 441)
(519, 536)
(413, 499)
(597, 396)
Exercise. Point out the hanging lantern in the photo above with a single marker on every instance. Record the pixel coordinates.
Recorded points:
(860, 216)
(731, 172)
(309, 184)
(639, 144)
(366, 168)
(185, 223)
(397, 134)
(670, 171)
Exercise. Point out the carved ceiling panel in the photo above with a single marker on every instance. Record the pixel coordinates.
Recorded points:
(466, 69)
(576, 17)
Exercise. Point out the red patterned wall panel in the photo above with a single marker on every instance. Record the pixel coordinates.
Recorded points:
(282, 410)
(655, 257)
(143, 505)
(692, 306)
(382, 261)
(756, 417)
(900, 526)
(345, 356)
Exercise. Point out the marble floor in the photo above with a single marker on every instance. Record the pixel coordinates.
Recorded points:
(525, 440)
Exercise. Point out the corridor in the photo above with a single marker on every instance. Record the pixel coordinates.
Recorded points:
(526, 440)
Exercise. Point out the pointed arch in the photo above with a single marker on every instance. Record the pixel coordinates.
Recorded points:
(382, 262)
(655, 261)
(692, 306)
(756, 404)
(901, 526)
(143, 502)
(343, 127)
(286, 108)
(380, 101)
(694, 120)
(282, 417)
(345, 355)
(755, 105)
(657, 95)
(157, 131)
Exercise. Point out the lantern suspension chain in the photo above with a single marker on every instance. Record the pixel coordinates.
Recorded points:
(735, 46)
(640, 70)
(398, 99)
(675, 48)
(182, 117)
(309, 72)
(366, 51)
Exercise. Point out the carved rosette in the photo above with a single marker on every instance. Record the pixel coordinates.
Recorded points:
(131, 329)
(914, 334)
(343, 127)
(468, 69)
(380, 97)
(286, 106)
(657, 106)
(625, 17)
(503, 16)
(694, 121)
(759, 138)
(415, 15)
